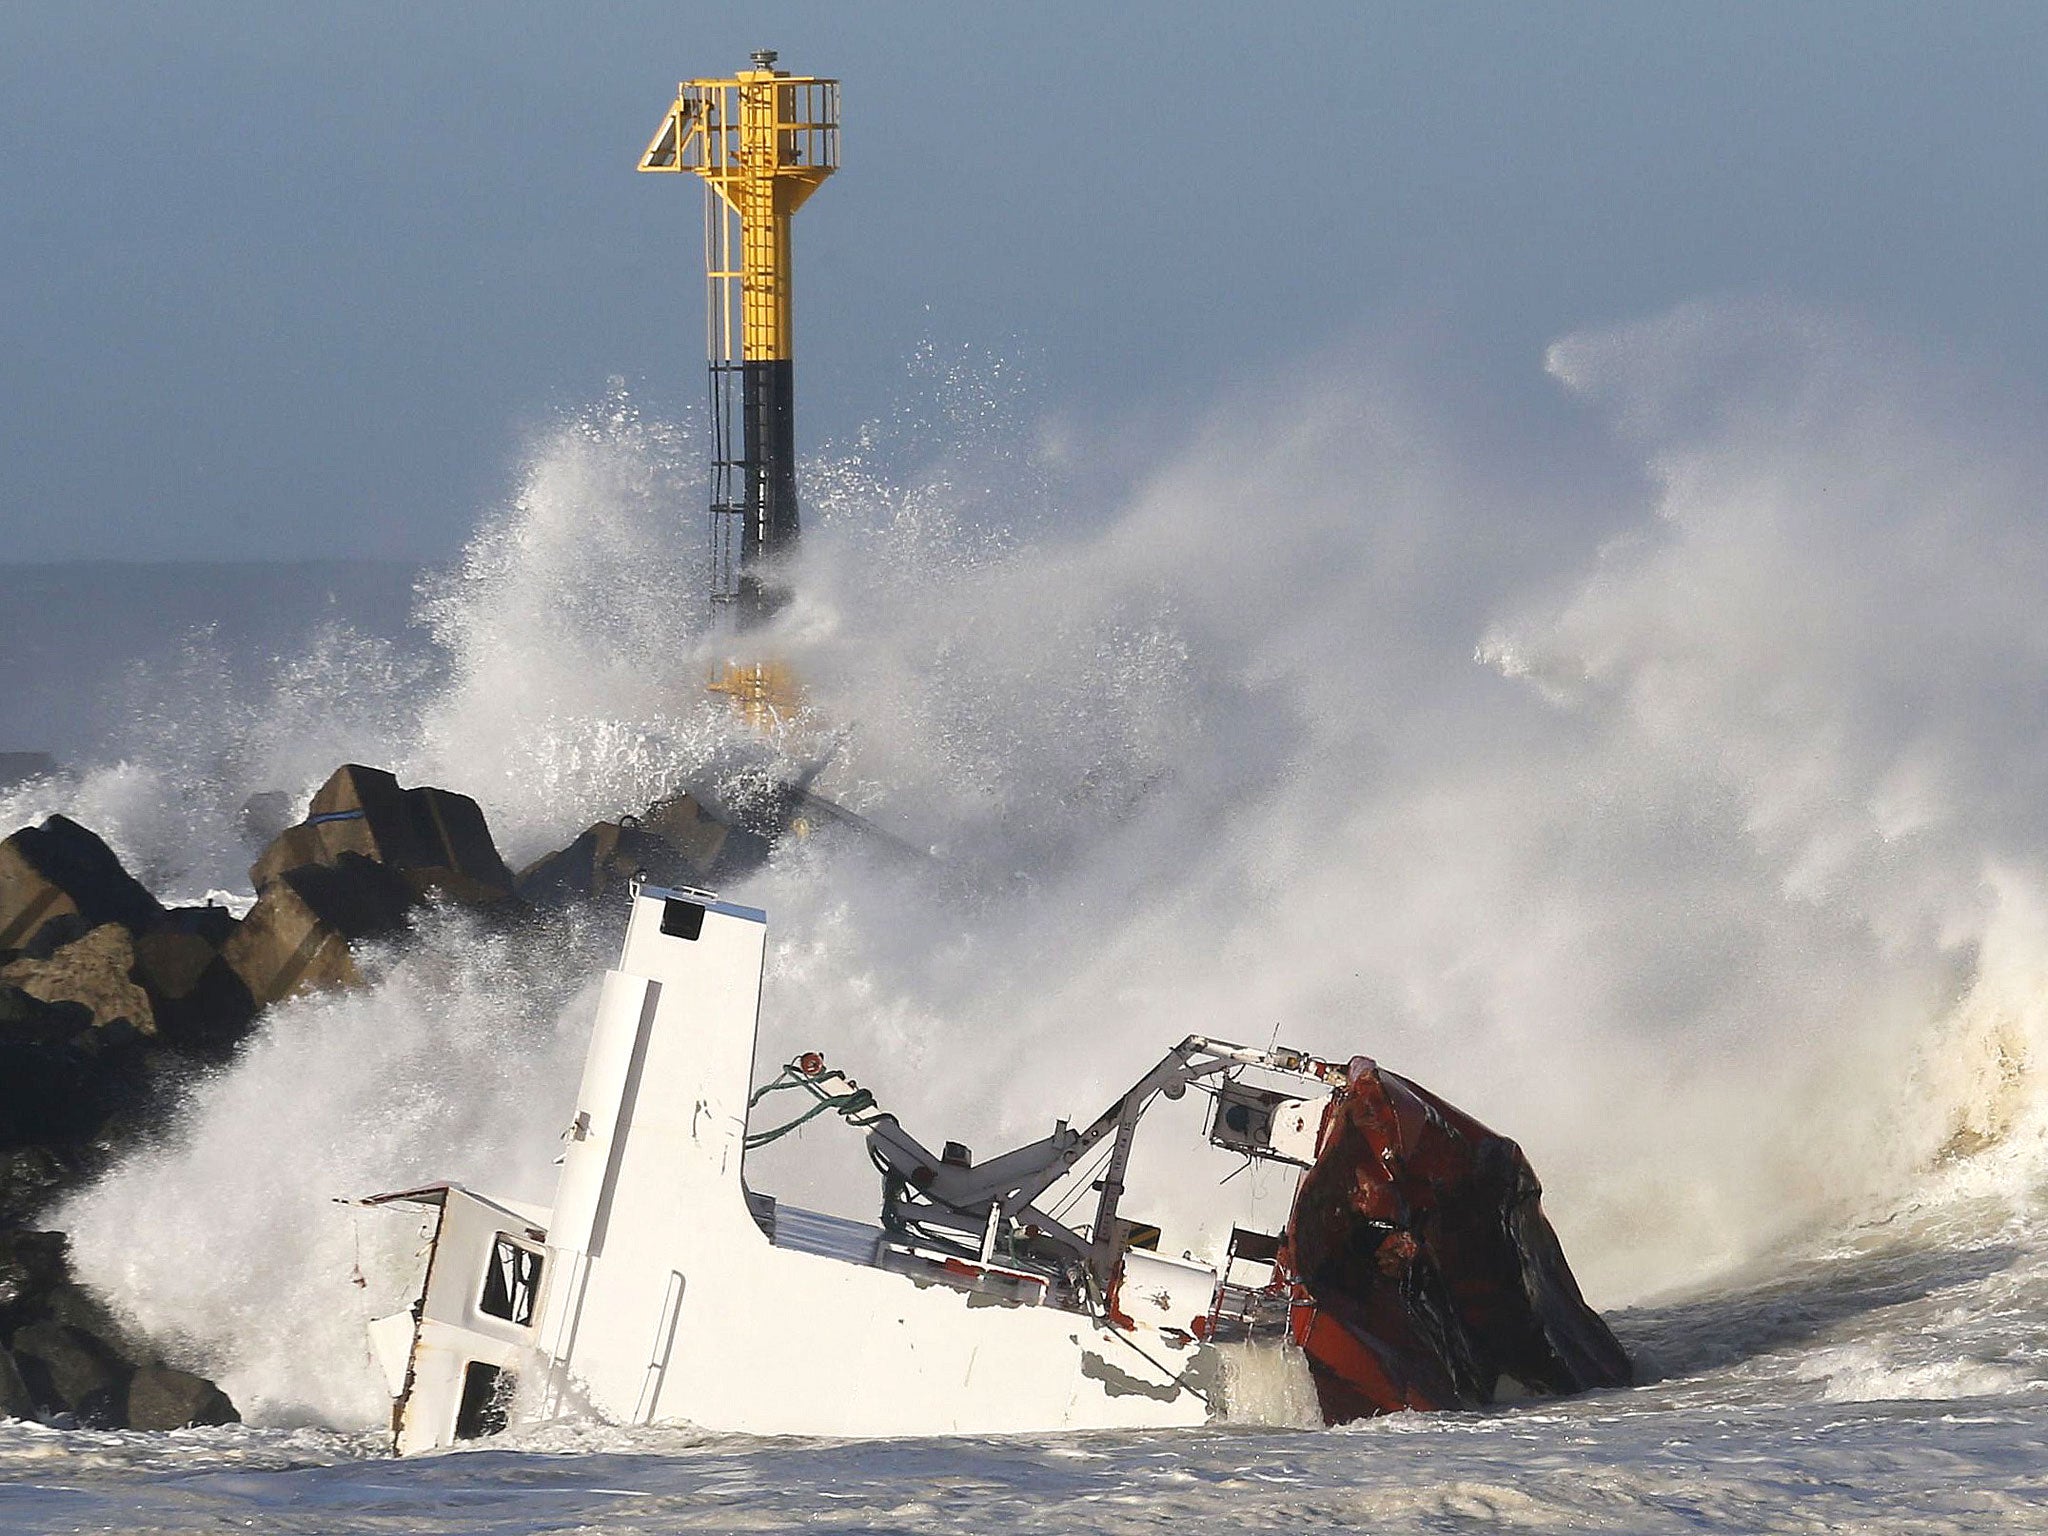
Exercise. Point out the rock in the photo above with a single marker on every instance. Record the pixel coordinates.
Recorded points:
(69, 1355)
(583, 871)
(684, 824)
(68, 1370)
(71, 1305)
(96, 971)
(211, 923)
(297, 936)
(436, 839)
(31, 1264)
(16, 1401)
(295, 847)
(169, 963)
(202, 1006)
(61, 1077)
(603, 859)
(36, 1287)
(676, 843)
(106, 1000)
(162, 1398)
(20, 767)
(31, 1019)
(59, 880)
(367, 851)
(30, 1177)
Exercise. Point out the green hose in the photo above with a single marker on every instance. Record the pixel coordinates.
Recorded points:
(853, 1107)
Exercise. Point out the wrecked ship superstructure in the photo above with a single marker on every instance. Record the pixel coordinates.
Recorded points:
(1416, 1269)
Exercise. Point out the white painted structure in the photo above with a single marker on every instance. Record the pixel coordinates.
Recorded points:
(658, 1290)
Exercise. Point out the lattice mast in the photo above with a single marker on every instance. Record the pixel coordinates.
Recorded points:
(763, 142)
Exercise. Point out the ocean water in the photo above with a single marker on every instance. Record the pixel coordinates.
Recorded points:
(1674, 799)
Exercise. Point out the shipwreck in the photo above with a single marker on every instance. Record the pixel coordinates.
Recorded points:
(1416, 1269)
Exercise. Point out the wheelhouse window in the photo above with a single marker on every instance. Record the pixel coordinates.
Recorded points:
(486, 1399)
(511, 1282)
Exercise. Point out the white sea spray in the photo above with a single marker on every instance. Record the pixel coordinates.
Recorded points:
(1690, 833)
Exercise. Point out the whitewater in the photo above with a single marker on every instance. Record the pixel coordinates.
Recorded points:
(1672, 794)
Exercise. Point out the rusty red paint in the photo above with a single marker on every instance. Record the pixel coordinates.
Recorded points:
(1424, 1268)
(1112, 1306)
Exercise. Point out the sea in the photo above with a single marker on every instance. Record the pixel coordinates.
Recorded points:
(1667, 787)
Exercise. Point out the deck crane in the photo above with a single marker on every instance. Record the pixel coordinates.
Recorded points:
(762, 141)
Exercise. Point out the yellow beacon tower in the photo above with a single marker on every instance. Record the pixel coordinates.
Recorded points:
(763, 142)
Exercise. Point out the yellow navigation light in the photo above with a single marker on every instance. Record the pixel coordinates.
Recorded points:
(762, 142)
(766, 693)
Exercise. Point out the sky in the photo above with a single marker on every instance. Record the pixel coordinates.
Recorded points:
(298, 282)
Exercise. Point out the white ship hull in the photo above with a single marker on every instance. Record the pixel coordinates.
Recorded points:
(653, 1292)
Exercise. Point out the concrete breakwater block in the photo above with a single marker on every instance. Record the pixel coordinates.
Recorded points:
(96, 972)
(604, 857)
(79, 928)
(58, 881)
(438, 840)
(701, 839)
(162, 1397)
(201, 1005)
(298, 935)
(677, 842)
(63, 1077)
(106, 997)
(107, 1001)
(64, 1357)
(368, 851)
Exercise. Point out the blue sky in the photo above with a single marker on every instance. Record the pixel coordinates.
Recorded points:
(298, 281)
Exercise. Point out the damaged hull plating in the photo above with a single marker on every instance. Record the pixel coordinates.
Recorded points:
(1416, 1270)
(1430, 1275)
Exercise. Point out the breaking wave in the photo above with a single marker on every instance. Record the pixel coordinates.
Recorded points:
(1676, 803)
